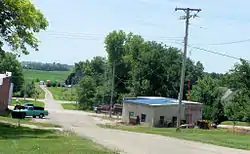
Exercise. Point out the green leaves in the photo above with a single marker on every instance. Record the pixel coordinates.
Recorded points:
(19, 21)
(8, 62)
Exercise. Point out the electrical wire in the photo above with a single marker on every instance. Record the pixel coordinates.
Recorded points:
(213, 52)
(97, 36)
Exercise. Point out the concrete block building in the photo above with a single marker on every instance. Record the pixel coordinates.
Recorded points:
(158, 110)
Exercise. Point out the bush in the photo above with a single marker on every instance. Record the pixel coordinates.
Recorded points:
(37, 80)
(48, 84)
(53, 84)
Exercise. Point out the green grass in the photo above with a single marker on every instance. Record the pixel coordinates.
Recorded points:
(237, 123)
(61, 93)
(222, 137)
(40, 91)
(69, 106)
(46, 75)
(28, 121)
(20, 140)
(21, 101)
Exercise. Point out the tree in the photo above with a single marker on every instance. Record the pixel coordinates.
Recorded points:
(207, 91)
(30, 89)
(86, 92)
(239, 108)
(8, 62)
(218, 114)
(19, 21)
(239, 76)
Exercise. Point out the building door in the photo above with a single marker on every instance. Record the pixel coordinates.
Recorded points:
(161, 120)
(143, 117)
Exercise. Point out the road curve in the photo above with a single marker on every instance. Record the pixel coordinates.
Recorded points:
(128, 142)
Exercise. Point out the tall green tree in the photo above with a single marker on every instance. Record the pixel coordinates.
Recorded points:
(114, 45)
(19, 21)
(8, 62)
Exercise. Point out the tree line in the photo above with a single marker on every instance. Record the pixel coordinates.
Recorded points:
(145, 68)
(148, 68)
(45, 66)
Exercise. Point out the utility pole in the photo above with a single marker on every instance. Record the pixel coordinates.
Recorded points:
(186, 17)
(26, 83)
(112, 89)
(104, 83)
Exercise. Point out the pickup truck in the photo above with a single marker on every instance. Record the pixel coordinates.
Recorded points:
(34, 111)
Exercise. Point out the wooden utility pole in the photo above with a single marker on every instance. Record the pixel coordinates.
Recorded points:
(112, 90)
(186, 17)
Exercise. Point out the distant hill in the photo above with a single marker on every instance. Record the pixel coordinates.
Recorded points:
(46, 66)
(59, 76)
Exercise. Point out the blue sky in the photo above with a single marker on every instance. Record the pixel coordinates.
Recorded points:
(77, 28)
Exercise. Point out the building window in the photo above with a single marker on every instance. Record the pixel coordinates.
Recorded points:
(161, 120)
(143, 117)
(131, 114)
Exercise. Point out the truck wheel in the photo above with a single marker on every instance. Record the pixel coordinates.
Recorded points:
(41, 115)
(34, 116)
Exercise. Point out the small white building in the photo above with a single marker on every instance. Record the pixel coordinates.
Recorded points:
(159, 110)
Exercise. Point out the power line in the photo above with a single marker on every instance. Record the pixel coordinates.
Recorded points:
(232, 42)
(217, 53)
(214, 52)
(97, 36)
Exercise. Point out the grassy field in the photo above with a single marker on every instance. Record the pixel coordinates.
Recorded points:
(69, 106)
(28, 121)
(46, 75)
(222, 137)
(237, 123)
(21, 140)
(61, 93)
(21, 101)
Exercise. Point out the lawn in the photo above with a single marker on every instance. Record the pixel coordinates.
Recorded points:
(46, 75)
(237, 123)
(21, 140)
(69, 106)
(222, 137)
(21, 101)
(61, 93)
(28, 121)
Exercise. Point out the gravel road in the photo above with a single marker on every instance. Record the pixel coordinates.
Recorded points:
(127, 142)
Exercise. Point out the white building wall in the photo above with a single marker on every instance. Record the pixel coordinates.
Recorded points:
(138, 109)
(153, 113)
(168, 111)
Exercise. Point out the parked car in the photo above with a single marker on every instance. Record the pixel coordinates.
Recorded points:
(34, 111)
(103, 108)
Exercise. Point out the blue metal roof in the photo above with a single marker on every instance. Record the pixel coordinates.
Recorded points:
(151, 100)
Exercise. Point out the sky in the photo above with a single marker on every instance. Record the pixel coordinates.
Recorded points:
(77, 29)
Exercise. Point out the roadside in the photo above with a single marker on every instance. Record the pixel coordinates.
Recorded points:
(29, 139)
(127, 142)
(224, 137)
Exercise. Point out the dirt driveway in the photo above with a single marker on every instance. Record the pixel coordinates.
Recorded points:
(128, 142)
